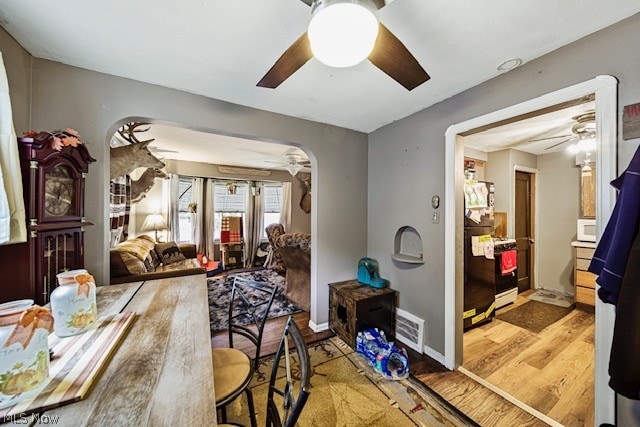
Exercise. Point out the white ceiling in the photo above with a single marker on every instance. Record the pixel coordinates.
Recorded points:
(211, 148)
(221, 49)
(518, 135)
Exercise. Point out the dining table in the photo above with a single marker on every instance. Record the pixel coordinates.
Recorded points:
(161, 374)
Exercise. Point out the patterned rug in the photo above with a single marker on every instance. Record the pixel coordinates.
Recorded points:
(220, 292)
(345, 391)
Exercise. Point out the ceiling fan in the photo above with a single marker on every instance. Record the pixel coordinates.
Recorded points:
(293, 163)
(583, 132)
(343, 33)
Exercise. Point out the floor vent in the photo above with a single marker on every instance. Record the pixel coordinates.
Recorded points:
(410, 330)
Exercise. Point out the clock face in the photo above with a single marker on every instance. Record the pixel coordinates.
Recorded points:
(59, 192)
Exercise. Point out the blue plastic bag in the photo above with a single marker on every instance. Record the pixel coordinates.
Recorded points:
(385, 357)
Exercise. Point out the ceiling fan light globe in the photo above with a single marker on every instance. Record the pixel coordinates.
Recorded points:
(343, 33)
(573, 148)
(293, 168)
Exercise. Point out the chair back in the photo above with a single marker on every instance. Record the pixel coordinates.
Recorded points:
(255, 299)
(273, 232)
(291, 402)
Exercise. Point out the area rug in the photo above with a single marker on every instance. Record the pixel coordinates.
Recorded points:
(345, 391)
(534, 316)
(551, 297)
(220, 293)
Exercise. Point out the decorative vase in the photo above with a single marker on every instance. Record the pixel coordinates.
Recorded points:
(24, 350)
(73, 303)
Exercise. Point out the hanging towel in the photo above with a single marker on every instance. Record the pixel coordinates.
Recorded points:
(13, 227)
(610, 258)
(508, 262)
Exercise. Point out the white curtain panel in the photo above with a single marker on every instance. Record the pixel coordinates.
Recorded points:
(209, 218)
(197, 197)
(13, 226)
(255, 219)
(172, 208)
(285, 209)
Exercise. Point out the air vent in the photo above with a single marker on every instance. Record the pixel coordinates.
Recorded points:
(410, 330)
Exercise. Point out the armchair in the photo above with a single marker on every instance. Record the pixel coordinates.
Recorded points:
(295, 249)
(273, 232)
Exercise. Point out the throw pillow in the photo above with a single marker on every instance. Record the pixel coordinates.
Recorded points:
(138, 246)
(169, 252)
(124, 263)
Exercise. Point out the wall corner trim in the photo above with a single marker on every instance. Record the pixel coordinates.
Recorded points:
(318, 328)
(435, 355)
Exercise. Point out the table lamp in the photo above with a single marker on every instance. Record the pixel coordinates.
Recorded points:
(154, 222)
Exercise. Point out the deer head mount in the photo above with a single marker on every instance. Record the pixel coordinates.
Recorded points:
(126, 159)
(140, 187)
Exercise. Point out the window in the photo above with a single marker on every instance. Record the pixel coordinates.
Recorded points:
(185, 234)
(272, 206)
(229, 204)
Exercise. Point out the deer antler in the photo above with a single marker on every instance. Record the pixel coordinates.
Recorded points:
(128, 132)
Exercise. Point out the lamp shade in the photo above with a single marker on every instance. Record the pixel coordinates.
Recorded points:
(342, 33)
(154, 222)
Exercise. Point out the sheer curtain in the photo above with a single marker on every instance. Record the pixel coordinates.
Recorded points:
(254, 219)
(197, 197)
(172, 209)
(209, 218)
(285, 210)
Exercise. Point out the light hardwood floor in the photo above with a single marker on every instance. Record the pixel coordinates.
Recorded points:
(551, 371)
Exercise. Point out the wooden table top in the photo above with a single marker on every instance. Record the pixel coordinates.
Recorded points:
(162, 373)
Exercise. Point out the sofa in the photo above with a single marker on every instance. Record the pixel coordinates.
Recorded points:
(141, 258)
(295, 249)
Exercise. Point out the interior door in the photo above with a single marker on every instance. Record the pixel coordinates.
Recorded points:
(524, 229)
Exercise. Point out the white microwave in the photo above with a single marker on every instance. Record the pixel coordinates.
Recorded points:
(587, 230)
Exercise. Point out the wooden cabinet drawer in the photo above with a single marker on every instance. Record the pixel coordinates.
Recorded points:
(586, 279)
(585, 295)
(582, 264)
(585, 253)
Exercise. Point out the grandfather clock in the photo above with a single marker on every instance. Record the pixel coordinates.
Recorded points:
(53, 186)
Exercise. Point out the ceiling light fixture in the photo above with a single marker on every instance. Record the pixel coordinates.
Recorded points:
(342, 33)
(293, 168)
(509, 64)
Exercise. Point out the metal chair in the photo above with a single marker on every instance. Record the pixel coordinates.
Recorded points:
(253, 297)
(291, 403)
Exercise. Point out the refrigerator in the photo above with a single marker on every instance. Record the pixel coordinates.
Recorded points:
(479, 271)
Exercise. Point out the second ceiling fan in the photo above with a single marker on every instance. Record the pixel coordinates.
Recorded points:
(342, 33)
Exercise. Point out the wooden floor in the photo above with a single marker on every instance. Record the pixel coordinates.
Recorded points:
(271, 336)
(551, 371)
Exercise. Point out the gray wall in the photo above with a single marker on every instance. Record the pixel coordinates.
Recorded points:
(17, 62)
(497, 170)
(409, 155)
(559, 208)
(96, 104)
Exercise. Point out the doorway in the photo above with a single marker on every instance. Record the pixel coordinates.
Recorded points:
(524, 233)
(605, 90)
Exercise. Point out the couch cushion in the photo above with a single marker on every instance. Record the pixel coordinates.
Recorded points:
(124, 263)
(185, 264)
(138, 246)
(169, 253)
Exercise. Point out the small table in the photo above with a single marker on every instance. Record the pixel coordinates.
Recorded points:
(232, 255)
(355, 307)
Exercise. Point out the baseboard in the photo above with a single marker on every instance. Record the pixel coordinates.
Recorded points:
(318, 328)
(435, 355)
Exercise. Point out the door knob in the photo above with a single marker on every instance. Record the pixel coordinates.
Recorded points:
(532, 241)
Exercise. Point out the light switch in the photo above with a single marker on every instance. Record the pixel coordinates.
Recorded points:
(435, 217)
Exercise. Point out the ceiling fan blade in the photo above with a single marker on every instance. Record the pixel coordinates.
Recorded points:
(291, 60)
(377, 3)
(307, 2)
(551, 137)
(393, 57)
(560, 143)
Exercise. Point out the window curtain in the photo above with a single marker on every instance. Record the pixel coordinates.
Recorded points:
(209, 218)
(13, 227)
(197, 226)
(285, 210)
(254, 223)
(172, 208)
(119, 209)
